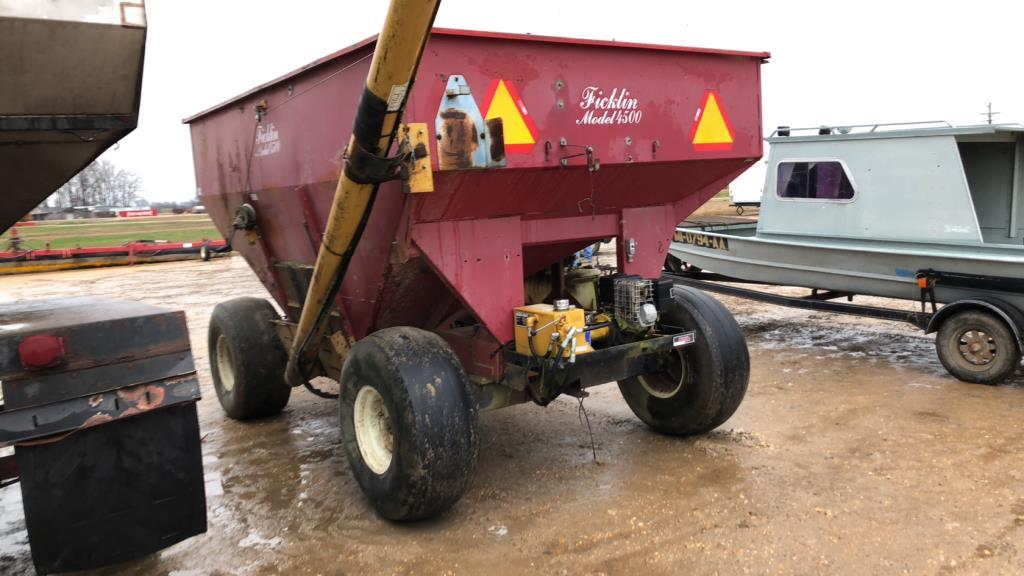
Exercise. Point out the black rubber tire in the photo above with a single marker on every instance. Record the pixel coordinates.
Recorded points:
(674, 265)
(256, 358)
(705, 382)
(1000, 338)
(433, 420)
(204, 253)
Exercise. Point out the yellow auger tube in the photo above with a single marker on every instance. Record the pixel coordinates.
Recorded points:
(395, 61)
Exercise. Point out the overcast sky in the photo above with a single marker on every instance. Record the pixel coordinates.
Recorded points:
(832, 62)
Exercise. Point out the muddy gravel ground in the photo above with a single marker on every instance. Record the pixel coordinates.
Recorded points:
(853, 453)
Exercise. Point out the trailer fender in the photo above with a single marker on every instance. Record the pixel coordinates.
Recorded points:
(1008, 313)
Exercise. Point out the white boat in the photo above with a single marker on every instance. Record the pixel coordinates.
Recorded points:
(885, 210)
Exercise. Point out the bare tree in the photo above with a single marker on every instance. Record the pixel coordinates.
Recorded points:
(101, 184)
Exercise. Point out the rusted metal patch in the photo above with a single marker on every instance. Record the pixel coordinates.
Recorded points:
(464, 140)
(496, 129)
(66, 416)
(459, 141)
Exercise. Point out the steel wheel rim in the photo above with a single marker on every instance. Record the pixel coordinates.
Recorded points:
(372, 424)
(976, 347)
(225, 372)
(668, 383)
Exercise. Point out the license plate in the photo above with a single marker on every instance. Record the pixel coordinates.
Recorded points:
(701, 240)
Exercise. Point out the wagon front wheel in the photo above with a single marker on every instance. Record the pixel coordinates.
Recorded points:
(701, 385)
(976, 346)
(408, 422)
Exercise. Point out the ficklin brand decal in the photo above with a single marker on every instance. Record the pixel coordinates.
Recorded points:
(268, 141)
(615, 107)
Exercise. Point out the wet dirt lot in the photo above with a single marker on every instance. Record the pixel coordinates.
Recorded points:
(853, 453)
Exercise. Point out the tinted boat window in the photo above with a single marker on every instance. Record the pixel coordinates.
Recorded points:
(814, 181)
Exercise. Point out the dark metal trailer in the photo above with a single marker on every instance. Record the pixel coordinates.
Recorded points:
(99, 402)
(97, 397)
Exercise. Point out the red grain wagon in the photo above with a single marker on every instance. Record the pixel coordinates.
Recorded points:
(454, 300)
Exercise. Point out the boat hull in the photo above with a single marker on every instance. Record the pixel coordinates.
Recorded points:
(858, 267)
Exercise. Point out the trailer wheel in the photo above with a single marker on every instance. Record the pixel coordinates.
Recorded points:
(247, 359)
(408, 422)
(674, 265)
(975, 346)
(702, 384)
(677, 266)
(204, 253)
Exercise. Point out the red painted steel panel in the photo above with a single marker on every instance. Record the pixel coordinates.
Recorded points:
(279, 147)
(482, 261)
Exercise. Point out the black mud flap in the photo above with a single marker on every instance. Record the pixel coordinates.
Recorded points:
(115, 492)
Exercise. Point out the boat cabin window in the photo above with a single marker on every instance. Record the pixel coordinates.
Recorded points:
(814, 180)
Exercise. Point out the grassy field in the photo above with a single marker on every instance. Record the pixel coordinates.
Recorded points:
(113, 232)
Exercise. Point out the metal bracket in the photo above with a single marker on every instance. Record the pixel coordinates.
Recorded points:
(414, 146)
(364, 167)
(593, 164)
(245, 217)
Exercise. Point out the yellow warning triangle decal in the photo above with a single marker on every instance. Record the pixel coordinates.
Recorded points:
(503, 102)
(711, 130)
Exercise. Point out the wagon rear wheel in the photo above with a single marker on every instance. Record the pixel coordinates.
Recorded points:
(247, 359)
(700, 386)
(408, 422)
(976, 346)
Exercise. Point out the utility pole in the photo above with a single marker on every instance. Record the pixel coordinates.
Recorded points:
(989, 113)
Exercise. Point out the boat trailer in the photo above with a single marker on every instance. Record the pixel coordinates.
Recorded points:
(961, 355)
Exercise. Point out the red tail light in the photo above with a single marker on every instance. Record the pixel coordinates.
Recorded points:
(41, 351)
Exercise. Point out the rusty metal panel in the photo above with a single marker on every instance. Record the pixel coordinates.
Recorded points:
(77, 413)
(465, 141)
(52, 387)
(70, 363)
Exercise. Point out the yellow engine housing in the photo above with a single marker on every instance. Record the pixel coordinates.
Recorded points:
(549, 320)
